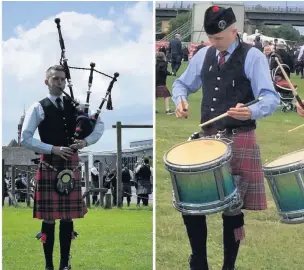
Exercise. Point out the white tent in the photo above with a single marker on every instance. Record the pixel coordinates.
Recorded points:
(251, 38)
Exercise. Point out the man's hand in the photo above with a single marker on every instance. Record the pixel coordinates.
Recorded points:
(240, 113)
(300, 109)
(182, 110)
(79, 144)
(64, 152)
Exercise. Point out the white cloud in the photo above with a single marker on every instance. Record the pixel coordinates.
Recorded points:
(87, 39)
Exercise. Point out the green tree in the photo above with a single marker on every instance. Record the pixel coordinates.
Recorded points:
(285, 31)
(178, 21)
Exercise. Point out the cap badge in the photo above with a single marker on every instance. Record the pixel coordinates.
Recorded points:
(222, 24)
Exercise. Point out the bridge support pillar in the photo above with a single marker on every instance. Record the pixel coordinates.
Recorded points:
(248, 28)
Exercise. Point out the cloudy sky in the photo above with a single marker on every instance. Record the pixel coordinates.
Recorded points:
(117, 36)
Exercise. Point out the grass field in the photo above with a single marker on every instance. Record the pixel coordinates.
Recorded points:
(269, 244)
(116, 239)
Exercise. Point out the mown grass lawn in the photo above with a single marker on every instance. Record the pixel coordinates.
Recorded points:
(115, 239)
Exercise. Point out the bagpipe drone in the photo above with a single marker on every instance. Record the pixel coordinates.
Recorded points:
(84, 123)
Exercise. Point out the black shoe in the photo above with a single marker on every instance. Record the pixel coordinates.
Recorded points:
(49, 268)
(64, 268)
(169, 112)
(196, 264)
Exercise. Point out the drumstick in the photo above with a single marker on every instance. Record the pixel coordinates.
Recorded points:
(183, 106)
(296, 128)
(294, 91)
(226, 114)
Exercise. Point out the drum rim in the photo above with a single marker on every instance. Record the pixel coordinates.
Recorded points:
(226, 157)
(295, 166)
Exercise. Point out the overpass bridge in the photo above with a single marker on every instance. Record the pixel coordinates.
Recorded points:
(254, 15)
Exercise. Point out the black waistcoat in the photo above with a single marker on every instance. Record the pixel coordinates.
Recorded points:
(144, 172)
(58, 127)
(95, 178)
(224, 88)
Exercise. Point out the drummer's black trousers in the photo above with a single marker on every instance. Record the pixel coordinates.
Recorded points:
(196, 227)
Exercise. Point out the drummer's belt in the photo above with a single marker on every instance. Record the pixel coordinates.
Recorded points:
(65, 179)
(227, 131)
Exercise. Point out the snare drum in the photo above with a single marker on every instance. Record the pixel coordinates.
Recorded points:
(285, 177)
(201, 178)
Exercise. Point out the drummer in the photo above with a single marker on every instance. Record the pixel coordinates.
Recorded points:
(299, 109)
(231, 73)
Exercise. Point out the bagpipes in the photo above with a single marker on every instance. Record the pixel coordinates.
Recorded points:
(84, 124)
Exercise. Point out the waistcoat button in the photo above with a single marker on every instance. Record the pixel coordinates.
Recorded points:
(212, 109)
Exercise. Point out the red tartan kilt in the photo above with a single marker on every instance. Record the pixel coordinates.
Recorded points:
(48, 204)
(246, 162)
(162, 92)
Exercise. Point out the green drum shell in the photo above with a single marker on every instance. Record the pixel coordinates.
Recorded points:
(286, 183)
(206, 188)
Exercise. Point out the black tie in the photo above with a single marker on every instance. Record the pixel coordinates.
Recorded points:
(58, 102)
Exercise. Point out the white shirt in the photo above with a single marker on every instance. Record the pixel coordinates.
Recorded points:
(131, 174)
(35, 115)
(24, 181)
(95, 171)
(301, 52)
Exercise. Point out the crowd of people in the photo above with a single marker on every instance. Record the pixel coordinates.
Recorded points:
(21, 184)
(140, 178)
(292, 56)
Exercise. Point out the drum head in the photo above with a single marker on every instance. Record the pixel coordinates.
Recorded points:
(293, 159)
(196, 152)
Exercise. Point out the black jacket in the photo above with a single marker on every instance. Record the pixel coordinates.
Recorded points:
(161, 72)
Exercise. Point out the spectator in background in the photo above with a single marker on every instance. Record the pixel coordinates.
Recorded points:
(20, 188)
(297, 62)
(176, 52)
(143, 180)
(301, 61)
(258, 43)
(275, 44)
(95, 180)
(161, 78)
(285, 56)
(163, 49)
(126, 177)
(267, 51)
(186, 53)
(199, 47)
